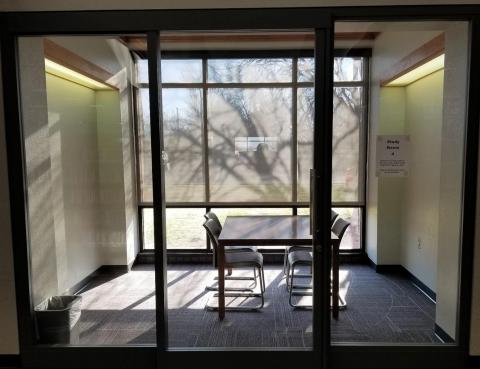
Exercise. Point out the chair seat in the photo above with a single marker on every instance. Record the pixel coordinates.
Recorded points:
(240, 248)
(240, 259)
(304, 257)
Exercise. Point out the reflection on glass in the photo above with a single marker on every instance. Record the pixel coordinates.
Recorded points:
(262, 117)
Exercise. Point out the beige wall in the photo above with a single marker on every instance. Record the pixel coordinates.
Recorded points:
(74, 175)
(387, 117)
(451, 174)
(419, 228)
(419, 217)
(38, 168)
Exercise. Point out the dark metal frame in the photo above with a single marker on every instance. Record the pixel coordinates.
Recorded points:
(341, 356)
(294, 85)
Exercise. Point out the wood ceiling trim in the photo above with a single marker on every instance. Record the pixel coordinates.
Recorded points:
(69, 59)
(417, 57)
(139, 43)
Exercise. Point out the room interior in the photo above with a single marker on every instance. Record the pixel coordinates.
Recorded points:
(90, 225)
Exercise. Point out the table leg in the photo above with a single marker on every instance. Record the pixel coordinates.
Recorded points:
(221, 281)
(335, 280)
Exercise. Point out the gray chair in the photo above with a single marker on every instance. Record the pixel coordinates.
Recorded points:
(289, 249)
(214, 217)
(239, 260)
(305, 258)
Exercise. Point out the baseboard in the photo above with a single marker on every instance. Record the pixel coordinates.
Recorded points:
(9, 361)
(444, 336)
(421, 286)
(113, 269)
(104, 269)
(400, 269)
(181, 257)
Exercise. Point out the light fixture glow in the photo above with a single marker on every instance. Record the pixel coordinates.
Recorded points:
(419, 72)
(70, 75)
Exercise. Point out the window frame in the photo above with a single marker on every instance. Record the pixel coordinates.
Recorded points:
(294, 85)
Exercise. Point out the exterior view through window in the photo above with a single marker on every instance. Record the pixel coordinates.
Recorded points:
(240, 130)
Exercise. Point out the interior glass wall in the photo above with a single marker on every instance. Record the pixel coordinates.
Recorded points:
(417, 118)
(77, 116)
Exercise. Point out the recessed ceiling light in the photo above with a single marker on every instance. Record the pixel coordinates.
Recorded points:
(66, 73)
(421, 71)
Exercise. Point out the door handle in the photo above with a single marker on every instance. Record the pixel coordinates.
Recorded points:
(313, 183)
(313, 203)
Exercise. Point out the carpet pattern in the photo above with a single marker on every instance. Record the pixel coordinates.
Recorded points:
(381, 308)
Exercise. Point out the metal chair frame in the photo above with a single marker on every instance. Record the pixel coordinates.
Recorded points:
(213, 231)
(338, 228)
(214, 217)
(289, 249)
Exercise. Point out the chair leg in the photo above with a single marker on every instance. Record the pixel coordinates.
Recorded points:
(254, 278)
(252, 294)
(262, 279)
(285, 261)
(293, 292)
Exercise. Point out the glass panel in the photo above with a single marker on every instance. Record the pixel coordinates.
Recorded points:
(417, 122)
(249, 70)
(82, 211)
(250, 144)
(142, 70)
(184, 228)
(181, 71)
(182, 136)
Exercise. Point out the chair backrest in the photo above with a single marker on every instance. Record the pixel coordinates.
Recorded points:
(340, 227)
(213, 232)
(213, 216)
(333, 217)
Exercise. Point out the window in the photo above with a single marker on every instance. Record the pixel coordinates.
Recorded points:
(229, 135)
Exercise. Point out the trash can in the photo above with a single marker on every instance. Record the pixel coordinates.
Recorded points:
(57, 319)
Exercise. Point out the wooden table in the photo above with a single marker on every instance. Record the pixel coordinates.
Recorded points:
(279, 230)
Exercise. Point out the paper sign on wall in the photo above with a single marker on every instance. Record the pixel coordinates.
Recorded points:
(392, 155)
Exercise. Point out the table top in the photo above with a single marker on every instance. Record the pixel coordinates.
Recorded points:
(262, 230)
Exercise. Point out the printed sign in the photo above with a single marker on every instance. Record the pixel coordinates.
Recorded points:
(392, 156)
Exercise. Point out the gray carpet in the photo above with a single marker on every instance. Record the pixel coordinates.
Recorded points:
(381, 308)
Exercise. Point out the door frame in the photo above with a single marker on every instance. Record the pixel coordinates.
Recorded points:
(150, 22)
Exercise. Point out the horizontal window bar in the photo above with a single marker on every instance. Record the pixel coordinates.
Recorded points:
(254, 85)
(249, 205)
